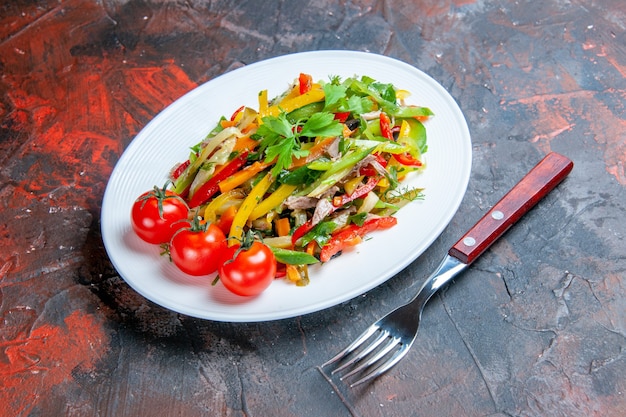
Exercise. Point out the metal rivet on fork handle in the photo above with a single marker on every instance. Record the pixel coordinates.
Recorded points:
(469, 241)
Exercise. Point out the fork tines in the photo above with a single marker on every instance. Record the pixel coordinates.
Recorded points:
(383, 351)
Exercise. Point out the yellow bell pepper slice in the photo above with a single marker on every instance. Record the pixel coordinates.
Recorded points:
(353, 184)
(295, 92)
(402, 94)
(292, 273)
(383, 184)
(289, 105)
(401, 170)
(243, 214)
(273, 201)
(214, 207)
(263, 105)
(405, 129)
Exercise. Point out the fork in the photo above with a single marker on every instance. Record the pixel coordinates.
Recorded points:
(391, 337)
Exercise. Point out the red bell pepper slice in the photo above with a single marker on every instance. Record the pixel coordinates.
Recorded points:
(407, 159)
(342, 116)
(301, 231)
(281, 270)
(352, 235)
(385, 126)
(211, 187)
(369, 171)
(239, 110)
(306, 83)
(359, 192)
(180, 169)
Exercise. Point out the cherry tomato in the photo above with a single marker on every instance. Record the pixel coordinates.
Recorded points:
(156, 215)
(198, 250)
(249, 269)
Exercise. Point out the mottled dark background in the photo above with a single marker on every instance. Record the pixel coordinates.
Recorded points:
(537, 327)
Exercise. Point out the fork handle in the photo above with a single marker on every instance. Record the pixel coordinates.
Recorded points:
(535, 185)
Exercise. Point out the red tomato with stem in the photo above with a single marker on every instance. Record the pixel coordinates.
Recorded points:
(197, 250)
(248, 268)
(156, 215)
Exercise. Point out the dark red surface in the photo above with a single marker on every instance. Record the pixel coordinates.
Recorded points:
(536, 327)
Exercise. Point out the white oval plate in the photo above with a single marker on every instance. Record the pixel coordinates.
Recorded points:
(166, 141)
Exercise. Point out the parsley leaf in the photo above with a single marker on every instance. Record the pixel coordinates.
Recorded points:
(334, 94)
(282, 149)
(357, 105)
(322, 124)
(276, 126)
(386, 91)
(280, 139)
(358, 218)
(302, 175)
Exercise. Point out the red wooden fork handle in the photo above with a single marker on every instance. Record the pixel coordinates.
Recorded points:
(542, 179)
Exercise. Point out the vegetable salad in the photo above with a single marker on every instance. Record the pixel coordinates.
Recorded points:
(308, 173)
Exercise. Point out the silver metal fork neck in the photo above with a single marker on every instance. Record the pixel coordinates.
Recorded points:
(448, 269)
